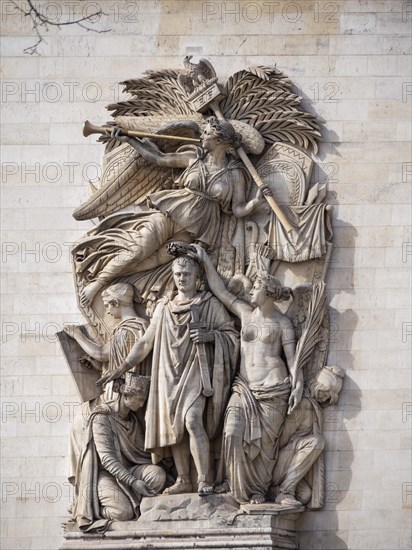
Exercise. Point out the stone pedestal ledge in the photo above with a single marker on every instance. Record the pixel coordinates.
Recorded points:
(180, 522)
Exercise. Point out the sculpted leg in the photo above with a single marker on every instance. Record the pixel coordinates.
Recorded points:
(145, 240)
(181, 457)
(199, 444)
(235, 458)
(292, 467)
(115, 505)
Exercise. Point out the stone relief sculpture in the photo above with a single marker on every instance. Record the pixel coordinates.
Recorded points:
(194, 360)
(302, 442)
(206, 193)
(261, 391)
(114, 466)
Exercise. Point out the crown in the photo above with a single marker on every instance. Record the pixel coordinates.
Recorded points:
(136, 384)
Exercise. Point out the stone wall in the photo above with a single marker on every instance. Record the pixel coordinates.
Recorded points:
(351, 60)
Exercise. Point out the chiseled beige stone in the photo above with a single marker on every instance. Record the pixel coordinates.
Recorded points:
(369, 131)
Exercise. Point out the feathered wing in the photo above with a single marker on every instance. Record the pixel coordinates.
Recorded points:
(206, 68)
(157, 93)
(263, 97)
(127, 178)
(156, 105)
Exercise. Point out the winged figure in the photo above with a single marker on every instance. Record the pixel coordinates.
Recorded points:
(195, 193)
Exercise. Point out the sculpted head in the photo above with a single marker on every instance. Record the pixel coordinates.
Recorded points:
(185, 273)
(327, 384)
(117, 296)
(219, 131)
(134, 390)
(265, 286)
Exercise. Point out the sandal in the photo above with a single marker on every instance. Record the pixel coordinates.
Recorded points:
(204, 489)
(222, 488)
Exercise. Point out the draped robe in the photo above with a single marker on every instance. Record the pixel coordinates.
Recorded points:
(113, 445)
(253, 424)
(176, 380)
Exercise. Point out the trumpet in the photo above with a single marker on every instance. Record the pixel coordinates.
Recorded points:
(89, 129)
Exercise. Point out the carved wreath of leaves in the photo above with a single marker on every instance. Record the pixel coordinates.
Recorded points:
(291, 174)
(262, 96)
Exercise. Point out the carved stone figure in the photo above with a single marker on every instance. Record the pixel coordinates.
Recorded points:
(261, 390)
(220, 173)
(257, 105)
(194, 359)
(210, 183)
(119, 300)
(301, 441)
(114, 470)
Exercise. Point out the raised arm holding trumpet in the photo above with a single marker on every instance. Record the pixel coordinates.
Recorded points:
(212, 182)
(119, 132)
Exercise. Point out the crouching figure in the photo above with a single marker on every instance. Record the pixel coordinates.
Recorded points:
(114, 471)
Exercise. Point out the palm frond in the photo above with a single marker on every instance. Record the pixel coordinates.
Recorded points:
(311, 333)
(263, 97)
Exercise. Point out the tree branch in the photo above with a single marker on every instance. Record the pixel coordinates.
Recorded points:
(40, 20)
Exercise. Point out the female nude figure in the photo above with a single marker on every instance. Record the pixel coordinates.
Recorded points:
(213, 181)
(262, 390)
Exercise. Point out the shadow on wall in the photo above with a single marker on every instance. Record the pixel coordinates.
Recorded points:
(319, 530)
(328, 136)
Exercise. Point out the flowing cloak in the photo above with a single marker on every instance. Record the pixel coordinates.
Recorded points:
(253, 424)
(200, 210)
(312, 232)
(203, 207)
(176, 381)
(114, 445)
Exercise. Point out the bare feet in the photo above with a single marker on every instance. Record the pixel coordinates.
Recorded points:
(222, 488)
(89, 292)
(178, 488)
(257, 498)
(204, 489)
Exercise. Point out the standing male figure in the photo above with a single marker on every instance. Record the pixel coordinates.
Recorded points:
(185, 355)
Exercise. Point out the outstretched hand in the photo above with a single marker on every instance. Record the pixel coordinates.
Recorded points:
(72, 330)
(200, 253)
(109, 377)
(117, 133)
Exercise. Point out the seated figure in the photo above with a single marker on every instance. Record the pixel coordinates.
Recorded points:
(302, 441)
(114, 471)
